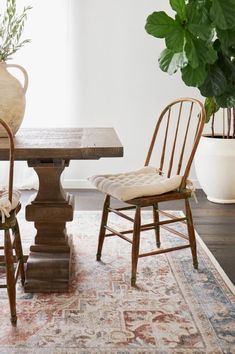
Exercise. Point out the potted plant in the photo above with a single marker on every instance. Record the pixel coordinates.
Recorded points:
(12, 94)
(200, 43)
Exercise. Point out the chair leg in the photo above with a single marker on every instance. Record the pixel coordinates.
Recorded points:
(19, 251)
(102, 227)
(191, 233)
(10, 276)
(157, 228)
(135, 244)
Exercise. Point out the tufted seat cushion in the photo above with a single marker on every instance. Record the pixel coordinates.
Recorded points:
(141, 183)
(6, 206)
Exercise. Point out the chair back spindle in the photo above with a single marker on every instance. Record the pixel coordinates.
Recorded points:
(185, 139)
(175, 140)
(165, 141)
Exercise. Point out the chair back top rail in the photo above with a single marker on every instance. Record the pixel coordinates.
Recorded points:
(181, 120)
(11, 157)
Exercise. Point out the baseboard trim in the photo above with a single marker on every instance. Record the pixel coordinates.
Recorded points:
(77, 184)
(85, 184)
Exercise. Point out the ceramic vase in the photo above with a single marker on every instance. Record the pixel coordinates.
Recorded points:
(12, 97)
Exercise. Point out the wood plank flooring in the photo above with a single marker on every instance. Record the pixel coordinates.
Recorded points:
(215, 223)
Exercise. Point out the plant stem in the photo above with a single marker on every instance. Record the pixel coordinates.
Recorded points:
(233, 122)
(229, 121)
(212, 125)
(223, 123)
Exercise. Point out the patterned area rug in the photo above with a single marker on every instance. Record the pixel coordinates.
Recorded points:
(173, 310)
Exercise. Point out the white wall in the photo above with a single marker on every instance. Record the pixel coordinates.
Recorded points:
(117, 81)
(46, 61)
(91, 63)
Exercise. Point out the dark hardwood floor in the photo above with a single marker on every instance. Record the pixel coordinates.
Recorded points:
(215, 223)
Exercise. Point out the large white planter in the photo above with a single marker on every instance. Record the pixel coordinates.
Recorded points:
(215, 168)
(12, 97)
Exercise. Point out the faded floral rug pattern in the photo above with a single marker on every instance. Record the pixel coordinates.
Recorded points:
(173, 310)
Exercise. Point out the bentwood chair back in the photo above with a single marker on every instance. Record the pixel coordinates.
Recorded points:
(176, 136)
(164, 177)
(12, 258)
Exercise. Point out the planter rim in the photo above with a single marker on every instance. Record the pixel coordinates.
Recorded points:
(217, 137)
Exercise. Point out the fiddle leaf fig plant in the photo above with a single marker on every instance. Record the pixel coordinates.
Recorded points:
(11, 30)
(200, 43)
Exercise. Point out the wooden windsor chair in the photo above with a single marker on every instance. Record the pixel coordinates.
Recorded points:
(10, 206)
(184, 118)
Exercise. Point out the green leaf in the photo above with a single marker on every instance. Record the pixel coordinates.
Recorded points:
(215, 83)
(203, 32)
(179, 7)
(170, 62)
(159, 24)
(227, 66)
(197, 12)
(222, 12)
(194, 77)
(211, 107)
(227, 38)
(191, 52)
(209, 55)
(227, 100)
(206, 54)
(175, 40)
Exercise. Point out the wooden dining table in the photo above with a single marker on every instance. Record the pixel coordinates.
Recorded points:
(48, 152)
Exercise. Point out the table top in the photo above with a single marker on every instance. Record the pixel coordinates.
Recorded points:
(63, 143)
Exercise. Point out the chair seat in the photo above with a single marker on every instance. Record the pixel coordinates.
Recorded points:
(6, 206)
(140, 183)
